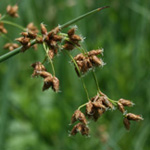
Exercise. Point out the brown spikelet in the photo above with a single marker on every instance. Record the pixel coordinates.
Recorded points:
(11, 46)
(95, 52)
(55, 85)
(80, 128)
(71, 32)
(75, 37)
(78, 115)
(2, 28)
(43, 29)
(133, 117)
(121, 107)
(68, 46)
(126, 123)
(125, 102)
(12, 10)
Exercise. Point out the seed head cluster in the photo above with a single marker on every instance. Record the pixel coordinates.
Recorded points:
(54, 42)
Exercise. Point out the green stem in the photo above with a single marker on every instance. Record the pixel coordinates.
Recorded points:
(14, 52)
(96, 81)
(50, 60)
(3, 16)
(84, 86)
(81, 106)
(81, 17)
(13, 24)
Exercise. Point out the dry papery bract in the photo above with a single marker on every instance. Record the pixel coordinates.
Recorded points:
(55, 41)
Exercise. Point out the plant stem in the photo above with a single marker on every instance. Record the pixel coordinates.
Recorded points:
(96, 81)
(50, 60)
(2, 17)
(84, 86)
(13, 24)
(14, 52)
(81, 17)
(82, 106)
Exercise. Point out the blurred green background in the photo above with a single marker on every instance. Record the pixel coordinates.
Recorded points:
(34, 120)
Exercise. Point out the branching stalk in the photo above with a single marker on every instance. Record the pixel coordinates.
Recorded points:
(17, 50)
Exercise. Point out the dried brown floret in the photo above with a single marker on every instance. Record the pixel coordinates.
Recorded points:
(39, 40)
(96, 61)
(133, 117)
(2, 28)
(71, 32)
(84, 130)
(98, 104)
(68, 46)
(48, 82)
(126, 123)
(95, 52)
(107, 103)
(57, 38)
(32, 28)
(75, 37)
(121, 107)
(44, 74)
(43, 29)
(55, 85)
(125, 102)
(38, 69)
(11, 46)
(12, 10)
(78, 115)
(89, 108)
(23, 40)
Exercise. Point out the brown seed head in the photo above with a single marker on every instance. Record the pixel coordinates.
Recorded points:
(43, 29)
(78, 115)
(71, 32)
(31, 27)
(89, 108)
(48, 82)
(107, 103)
(126, 123)
(57, 38)
(80, 128)
(133, 117)
(125, 102)
(96, 61)
(44, 74)
(39, 40)
(95, 52)
(121, 107)
(12, 10)
(75, 37)
(2, 29)
(11, 46)
(55, 85)
(68, 46)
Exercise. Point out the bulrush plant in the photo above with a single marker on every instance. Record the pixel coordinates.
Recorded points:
(54, 42)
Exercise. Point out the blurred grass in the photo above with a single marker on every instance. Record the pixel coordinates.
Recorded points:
(31, 119)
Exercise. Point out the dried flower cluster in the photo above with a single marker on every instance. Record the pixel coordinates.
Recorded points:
(72, 41)
(49, 80)
(96, 107)
(55, 41)
(12, 10)
(88, 61)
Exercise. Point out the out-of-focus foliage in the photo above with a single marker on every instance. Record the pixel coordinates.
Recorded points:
(34, 120)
